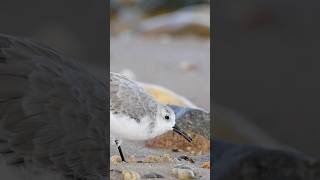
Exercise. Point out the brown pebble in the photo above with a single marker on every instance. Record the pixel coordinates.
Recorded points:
(185, 158)
(188, 66)
(152, 159)
(183, 174)
(130, 175)
(206, 165)
(116, 159)
(166, 158)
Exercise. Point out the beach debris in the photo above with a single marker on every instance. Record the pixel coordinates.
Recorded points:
(182, 166)
(115, 159)
(183, 173)
(186, 158)
(152, 175)
(166, 158)
(199, 145)
(130, 175)
(152, 159)
(188, 66)
(206, 165)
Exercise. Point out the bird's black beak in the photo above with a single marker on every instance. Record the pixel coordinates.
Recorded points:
(182, 133)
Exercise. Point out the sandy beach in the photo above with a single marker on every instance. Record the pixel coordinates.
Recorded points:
(159, 61)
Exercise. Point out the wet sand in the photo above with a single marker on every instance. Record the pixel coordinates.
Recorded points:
(159, 61)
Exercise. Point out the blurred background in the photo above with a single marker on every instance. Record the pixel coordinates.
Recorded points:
(76, 28)
(164, 42)
(266, 73)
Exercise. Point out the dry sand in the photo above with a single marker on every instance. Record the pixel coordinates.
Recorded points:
(140, 152)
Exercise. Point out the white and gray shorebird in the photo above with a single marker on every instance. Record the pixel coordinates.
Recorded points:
(136, 115)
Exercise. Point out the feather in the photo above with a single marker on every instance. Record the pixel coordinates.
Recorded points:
(52, 111)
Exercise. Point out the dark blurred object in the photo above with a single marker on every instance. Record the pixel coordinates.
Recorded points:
(266, 59)
(77, 28)
(243, 162)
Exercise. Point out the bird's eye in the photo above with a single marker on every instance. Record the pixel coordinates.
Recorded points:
(166, 117)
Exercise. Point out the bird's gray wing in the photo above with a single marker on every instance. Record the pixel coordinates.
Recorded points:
(128, 98)
(52, 111)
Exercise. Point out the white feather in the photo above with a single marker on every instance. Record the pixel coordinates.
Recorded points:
(123, 127)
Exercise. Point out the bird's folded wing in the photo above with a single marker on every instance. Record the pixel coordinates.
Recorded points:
(52, 111)
(130, 99)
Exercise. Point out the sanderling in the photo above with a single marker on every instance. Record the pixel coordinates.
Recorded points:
(136, 115)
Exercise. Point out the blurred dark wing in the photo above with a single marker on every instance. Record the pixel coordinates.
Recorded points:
(52, 111)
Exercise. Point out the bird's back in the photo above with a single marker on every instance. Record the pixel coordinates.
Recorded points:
(129, 99)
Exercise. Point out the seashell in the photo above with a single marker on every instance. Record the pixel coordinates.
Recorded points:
(130, 175)
(152, 159)
(183, 173)
(116, 159)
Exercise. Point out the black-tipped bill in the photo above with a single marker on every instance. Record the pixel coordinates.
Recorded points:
(182, 133)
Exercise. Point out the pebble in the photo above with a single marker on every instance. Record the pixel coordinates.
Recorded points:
(184, 157)
(152, 175)
(188, 66)
(206, 165)
(181, 166)
(183, 173)
(152, 159)
(116, 159)
(166, 158)
(130, 175)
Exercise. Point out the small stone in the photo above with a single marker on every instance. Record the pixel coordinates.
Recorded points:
(132, 159)
(206, 165)
(188, 66)
(184, 157)
(130, 175)
(152, 159)
(166, 158)
(181, 166)
(152, 175)
(116, 159)
(183, 173)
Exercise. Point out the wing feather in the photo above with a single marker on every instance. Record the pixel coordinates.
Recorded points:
(124, 93)
(52, 111)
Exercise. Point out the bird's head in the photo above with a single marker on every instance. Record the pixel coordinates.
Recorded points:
(166, 121)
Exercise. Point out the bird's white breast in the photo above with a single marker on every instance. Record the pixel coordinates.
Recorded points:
(129, 129)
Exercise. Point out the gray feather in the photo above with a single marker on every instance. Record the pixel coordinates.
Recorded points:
(52, 111)
(128, 98)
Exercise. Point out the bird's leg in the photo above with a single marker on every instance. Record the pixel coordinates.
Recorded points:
(118, 143)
